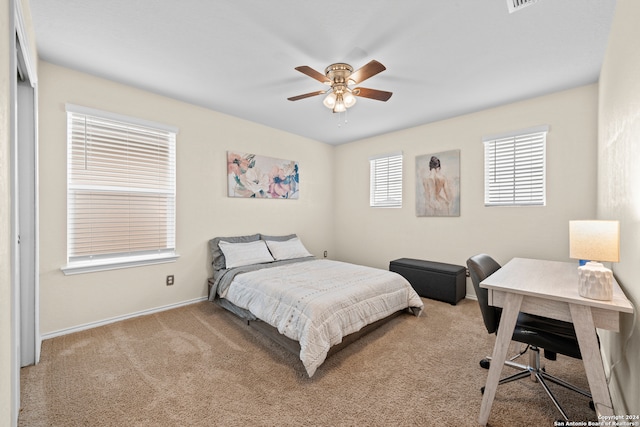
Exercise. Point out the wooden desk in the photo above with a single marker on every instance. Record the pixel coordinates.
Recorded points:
(550, 289)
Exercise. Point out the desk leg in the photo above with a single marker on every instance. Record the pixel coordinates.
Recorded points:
(508, 319)
(588, 341)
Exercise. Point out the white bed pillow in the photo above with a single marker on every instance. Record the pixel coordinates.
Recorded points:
(288, 249)
(239, 254)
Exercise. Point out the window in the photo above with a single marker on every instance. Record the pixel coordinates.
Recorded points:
(386, 181)
(120, 191)
(514, 168)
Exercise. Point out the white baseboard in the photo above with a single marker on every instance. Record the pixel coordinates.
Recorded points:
(119, 318)
(617, 397)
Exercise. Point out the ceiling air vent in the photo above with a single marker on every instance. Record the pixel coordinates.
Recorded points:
(515, 5)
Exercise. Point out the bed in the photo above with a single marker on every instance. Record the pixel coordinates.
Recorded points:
(314, 305)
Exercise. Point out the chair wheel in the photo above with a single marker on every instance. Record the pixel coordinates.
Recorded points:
(485, 363)
(482, 389)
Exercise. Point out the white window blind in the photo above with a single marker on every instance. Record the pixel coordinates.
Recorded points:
(386, 181)
(514, 168)
(120, 188)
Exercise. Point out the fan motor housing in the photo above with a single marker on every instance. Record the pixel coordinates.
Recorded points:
(338, 72)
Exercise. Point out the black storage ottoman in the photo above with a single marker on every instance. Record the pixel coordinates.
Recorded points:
(435, 280)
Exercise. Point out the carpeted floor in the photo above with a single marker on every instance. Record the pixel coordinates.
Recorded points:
(201, 366)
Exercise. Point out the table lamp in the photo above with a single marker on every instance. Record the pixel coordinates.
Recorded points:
(595, 241)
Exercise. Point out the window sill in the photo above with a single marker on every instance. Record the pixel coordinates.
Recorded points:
(116, 263)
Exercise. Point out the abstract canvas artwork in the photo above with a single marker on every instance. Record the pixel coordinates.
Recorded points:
(438, 184)
(250, 175)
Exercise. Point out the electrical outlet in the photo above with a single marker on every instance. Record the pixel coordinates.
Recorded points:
(325, 254)
(170, 280)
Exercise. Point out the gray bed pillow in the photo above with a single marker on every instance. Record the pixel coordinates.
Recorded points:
(278, 238)
(218, 257)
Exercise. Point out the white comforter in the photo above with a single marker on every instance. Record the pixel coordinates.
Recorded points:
(318, 302)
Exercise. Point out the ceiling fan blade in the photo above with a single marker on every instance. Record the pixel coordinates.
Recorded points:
(379, 95)
(307, 95)
(313, 74)
(366, 71)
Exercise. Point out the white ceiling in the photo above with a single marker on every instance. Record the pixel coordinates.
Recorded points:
(444, 58)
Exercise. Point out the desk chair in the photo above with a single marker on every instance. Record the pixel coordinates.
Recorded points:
(554, 336)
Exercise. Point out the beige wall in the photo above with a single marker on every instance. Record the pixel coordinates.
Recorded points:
(376, 236)
(203, 209)
(619, 188)
(352, 231)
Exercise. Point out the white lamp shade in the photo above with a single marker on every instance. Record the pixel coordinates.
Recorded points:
(330, 100)
(339, 107)
(594, 240)
(349, 99)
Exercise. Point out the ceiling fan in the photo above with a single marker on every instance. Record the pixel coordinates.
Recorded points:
(340, 76)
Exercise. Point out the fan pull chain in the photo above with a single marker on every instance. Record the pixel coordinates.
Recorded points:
(345, 121)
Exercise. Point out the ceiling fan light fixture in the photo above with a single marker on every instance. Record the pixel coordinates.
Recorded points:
(339, 76)
(330, 100)
(349, 99)
(340, 105)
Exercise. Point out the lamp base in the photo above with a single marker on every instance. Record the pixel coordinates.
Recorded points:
(595, 281)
